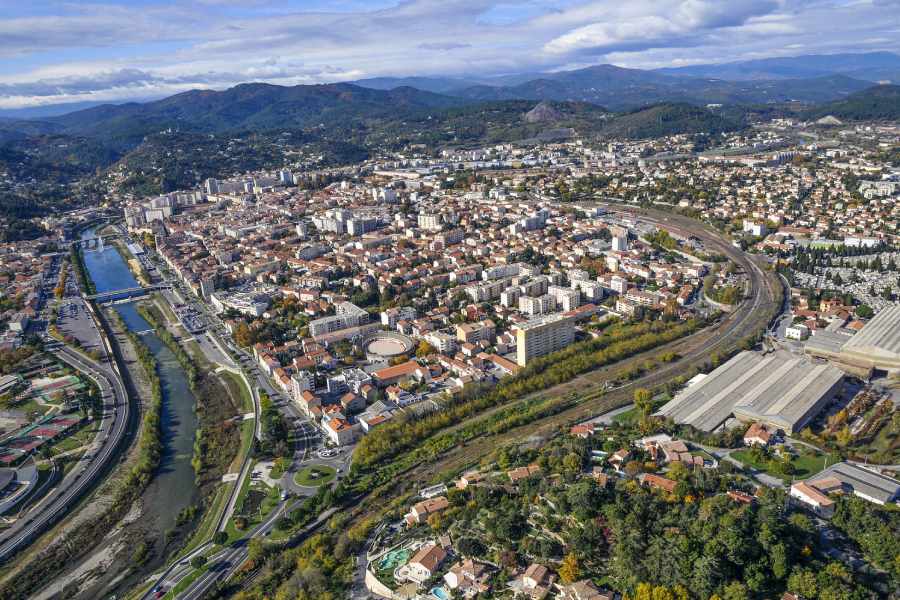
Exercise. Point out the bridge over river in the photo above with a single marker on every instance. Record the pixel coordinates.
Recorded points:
(131, 292)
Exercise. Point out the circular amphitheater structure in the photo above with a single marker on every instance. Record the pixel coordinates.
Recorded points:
(385, 345)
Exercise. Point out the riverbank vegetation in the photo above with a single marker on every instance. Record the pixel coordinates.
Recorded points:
(218, 412)
(133, 263)
(76, 256)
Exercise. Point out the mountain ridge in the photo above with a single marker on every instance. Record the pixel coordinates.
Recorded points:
(869, 66)
(880, 102)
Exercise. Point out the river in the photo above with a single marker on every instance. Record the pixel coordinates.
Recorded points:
(173, 487)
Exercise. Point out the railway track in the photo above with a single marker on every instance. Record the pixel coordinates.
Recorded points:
(753, 315)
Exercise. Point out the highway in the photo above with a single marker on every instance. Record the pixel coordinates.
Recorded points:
(220, 560)
(224, 562)
(70, 490)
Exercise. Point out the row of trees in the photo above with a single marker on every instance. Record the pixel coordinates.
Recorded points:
(616, 343)
(63, 278)
(76, 257)
(811, 259)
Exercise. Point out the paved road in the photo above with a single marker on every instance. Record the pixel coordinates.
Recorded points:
(177, 571)
(217, 561)
(226, 565)
(735, 326)
(70, 490)
(224, 562)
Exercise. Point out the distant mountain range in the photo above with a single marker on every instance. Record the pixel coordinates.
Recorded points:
(814, 79)
(347, 120)
(626, 89)
(873, 66)
(808, 79)
(251, 106)
(761, 80)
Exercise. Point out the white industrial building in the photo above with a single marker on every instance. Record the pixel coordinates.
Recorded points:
(875, 347)
(778, 389)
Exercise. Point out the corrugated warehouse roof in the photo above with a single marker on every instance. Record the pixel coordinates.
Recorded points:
(865, 482)
(881, 335)
(777, 388)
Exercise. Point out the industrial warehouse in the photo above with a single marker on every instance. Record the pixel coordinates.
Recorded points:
(777, 388)
(875, 348)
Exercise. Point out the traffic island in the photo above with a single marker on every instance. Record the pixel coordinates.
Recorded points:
(314, 476)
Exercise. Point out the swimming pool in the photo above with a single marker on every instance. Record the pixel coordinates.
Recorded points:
(440, 593)
(394, 559)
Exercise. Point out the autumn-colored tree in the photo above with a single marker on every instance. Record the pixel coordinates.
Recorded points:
(632, 468)
(662, 593)
(642, 400)
(838, 419)
(844, 436)
(242, 335)
(569, 571)
(424, 349)
(435, 522)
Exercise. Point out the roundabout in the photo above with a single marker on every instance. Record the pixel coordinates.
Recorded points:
(314, 476)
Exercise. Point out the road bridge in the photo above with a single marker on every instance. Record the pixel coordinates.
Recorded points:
(131, 292)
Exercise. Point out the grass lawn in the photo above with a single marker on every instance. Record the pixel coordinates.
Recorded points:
(237, 388)
(276, 472)
(164, 307)
(80, 438)
(630, 416)
(805, 465)
(253, 516)
(32, 408)
(314, 476)
(627, 417)
(206, 529)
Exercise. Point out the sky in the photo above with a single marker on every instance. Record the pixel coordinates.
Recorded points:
(64, 51)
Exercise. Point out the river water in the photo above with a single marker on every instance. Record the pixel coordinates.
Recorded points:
(173, 487)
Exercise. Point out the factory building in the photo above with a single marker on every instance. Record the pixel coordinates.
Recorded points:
(876, 347)
(777, 389)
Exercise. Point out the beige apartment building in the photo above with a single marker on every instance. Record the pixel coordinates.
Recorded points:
(542, 336)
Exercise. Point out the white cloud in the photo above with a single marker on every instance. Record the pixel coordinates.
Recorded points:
(644, 24)
(86, 50)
